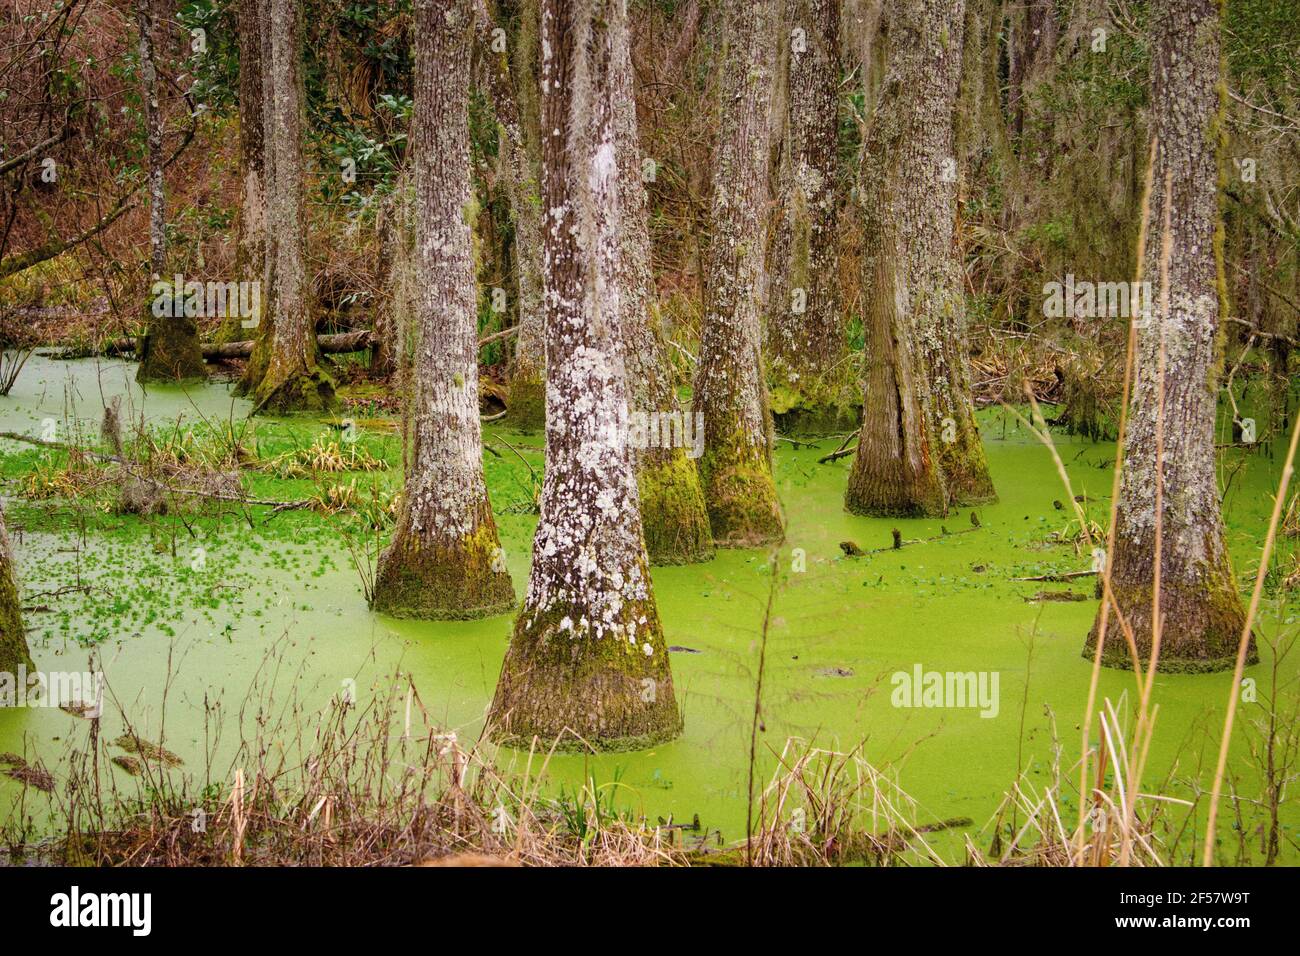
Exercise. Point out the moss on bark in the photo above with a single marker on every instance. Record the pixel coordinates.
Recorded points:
(171, 352)
(526, 409)
(562, 683)
(432, 582)
(308, 391)
(673, 514)
(741, 496)
(13, 636)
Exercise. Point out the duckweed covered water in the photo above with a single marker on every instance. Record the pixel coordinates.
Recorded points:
(181, 613)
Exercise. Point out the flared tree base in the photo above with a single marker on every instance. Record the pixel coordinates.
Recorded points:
(419, 580)
(526, 410)
(303, 392)
(742, 504)
(563, 686)
(673, 514)
(888, 490)
(1201, 632)
(165, 362)
(13, 638)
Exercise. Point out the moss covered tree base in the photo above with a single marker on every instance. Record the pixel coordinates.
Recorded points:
(13, 637)
(1201, 633)
(673, 515)
(966, 474)
(302, 392)
(817, 420)
(172, 355)
(526, 409)
(883, 488)
(563, 685)
(742, 502)
(419, 580)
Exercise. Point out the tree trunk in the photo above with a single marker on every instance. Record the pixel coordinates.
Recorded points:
(250, 241)
(730, 388)
(673, 514)
(588, 655)
(896, 470)
(445, 559)
(515, 94)
(1174, 444)
(13, 637)
(935, 268)
(170, 352)
(283, 376)
(812, 379)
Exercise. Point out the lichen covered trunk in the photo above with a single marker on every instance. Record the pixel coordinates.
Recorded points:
(13, 637)
(730, 387)
(933, 31)
(1170, 432)
(673, 514)
(250, 238)
(896, 470)
(171, 351)
(587, 662)
(445, 559)
(284, 375)
(811, 376)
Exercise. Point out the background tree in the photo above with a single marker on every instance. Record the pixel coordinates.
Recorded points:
(283, 375)
(809, 369)
(673, 514)
(1169, 441)
(13, 636)
(588, 654)
(445, 559)
(935, 268)
(251, 235)
(896, 469)
(516, 97)
(171, 350)
(730, 389)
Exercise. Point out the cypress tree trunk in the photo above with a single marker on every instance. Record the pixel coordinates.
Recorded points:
(518, 113)
(935, 269)
(250, 240)
(171, 351)
(13, 637)
(672, 502)
(730, 389)
(283, 375)
(808, 362)
(1199, 601)
(445, 558)
(588, 654)
(896, 470)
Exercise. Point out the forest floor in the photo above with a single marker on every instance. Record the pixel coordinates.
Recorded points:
(192, 612)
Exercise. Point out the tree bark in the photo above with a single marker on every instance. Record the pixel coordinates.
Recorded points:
(445, 559)
(1170, 432)
(673, 513)
(935, 266)
(588, 656)
(808, 364)
(13, 636)
(896, 470)
(170, 352)
(250, 240)
(283, 376)
(730, 388)
(515, 96)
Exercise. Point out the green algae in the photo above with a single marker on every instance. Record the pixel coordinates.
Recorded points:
(840, 627)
